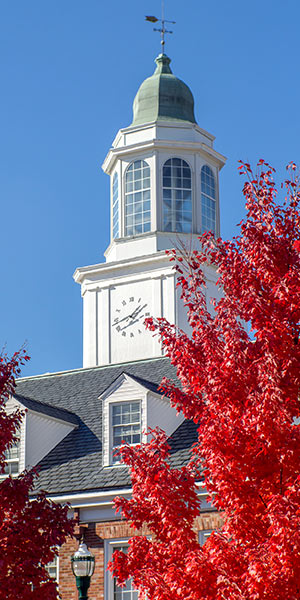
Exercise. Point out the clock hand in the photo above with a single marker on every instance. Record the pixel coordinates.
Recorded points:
(130, 319)
(134, 318)
(137, 311)
(120, 320)
(134, 314)
(130, 324)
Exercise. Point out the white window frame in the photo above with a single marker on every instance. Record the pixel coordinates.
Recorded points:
(123, 389)
(133, 192)
(13, 460)
(109, 547)
(203, 535)
(210, 198)
(191, 189)
(115, 204)
(111, 447)
(54, 563)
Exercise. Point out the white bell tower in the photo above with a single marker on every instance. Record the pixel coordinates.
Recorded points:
(164, 191)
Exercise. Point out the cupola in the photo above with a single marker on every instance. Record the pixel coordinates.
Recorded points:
(164, 171)
(163, 97)
(164, 174)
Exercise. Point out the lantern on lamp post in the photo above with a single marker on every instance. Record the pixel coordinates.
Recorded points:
(83, 565)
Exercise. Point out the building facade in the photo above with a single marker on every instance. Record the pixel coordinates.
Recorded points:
(164, 174)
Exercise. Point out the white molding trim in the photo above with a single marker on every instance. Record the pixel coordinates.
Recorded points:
(102, 498)
(150, 145)
(156, 257)
(109, 545)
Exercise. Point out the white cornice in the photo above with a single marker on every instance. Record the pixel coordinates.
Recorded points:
(102, 498)
(82, 272)
(156, 144)
(157, 259)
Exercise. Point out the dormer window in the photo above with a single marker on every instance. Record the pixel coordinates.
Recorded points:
(137, 198)
(208, 200)
(129, 409)
(177, 196)
(115, 206)
(125, 425)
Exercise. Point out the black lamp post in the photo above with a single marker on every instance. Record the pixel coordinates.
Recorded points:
(83, 565)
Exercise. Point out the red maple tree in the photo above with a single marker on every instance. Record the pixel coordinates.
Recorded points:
(30, 530)
(239, 374)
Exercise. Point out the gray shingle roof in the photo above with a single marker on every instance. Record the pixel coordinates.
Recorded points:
(46, 409)
(75, 464)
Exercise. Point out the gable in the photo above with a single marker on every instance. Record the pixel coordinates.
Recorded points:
(154, 410)
(39, 432)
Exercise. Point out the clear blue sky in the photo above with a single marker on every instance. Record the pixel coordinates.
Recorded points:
(69, 73)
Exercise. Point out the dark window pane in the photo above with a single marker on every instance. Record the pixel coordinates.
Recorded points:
(139, 199)
(176, 186)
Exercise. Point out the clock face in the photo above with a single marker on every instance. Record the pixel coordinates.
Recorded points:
(129, 315)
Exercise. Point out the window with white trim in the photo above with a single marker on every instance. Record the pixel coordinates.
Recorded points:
(115, 206)
(137, 198)
(52, 568)
(204, 535)
(125, 425)
(208, 200)
(177, 196)
(12, 457)
(112, 590)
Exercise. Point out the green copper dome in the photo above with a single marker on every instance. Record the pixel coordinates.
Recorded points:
(163, 97)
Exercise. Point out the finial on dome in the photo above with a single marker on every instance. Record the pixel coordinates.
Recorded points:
(163, 64)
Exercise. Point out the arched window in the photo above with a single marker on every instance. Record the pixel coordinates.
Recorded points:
(208, 200)
(115, 207)
(137, 198)
(177, 196)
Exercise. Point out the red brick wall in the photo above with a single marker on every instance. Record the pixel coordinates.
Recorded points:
(95, 535)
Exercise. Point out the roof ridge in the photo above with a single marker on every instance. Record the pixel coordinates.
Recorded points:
(87, 369)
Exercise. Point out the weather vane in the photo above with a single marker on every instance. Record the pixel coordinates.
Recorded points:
(162, 29)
